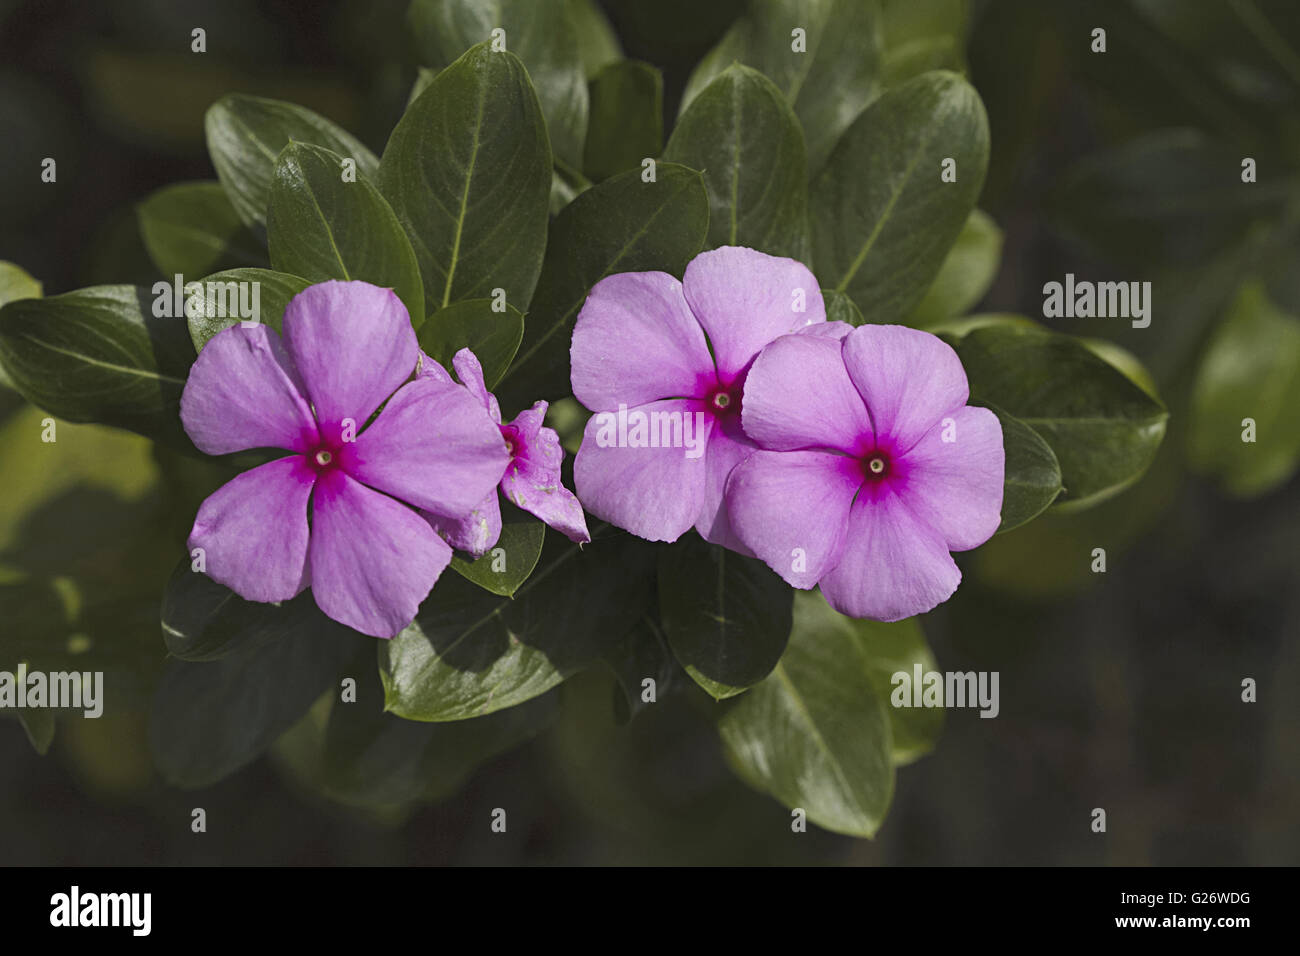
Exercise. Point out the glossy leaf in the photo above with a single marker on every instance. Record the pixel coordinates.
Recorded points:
(816, 734)
(541, 33)
(510, 561)
(99, 355)
(828, 84)
(467, 170)
(1032, 479)
(192, 229)
(746, 139)
(966, 273)
(883, 220)
(274, 291)
(322, 226)
(726, 616)
(1103, 429)
(474, 324)
(627, 118)
(1250, 370)
(621, 225)
(245, 137)
(15, 283)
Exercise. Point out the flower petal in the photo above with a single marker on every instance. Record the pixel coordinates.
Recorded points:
(432, 368)
(656, 493)
(791, 509)
(470, 372)
(894, 565)
(432, 446)
(353, 345)
(476, 531)
(373, 560)
(532, 479)
(910, 379)
(727, 448)
(745, 299)
(253, 530)
(636, 341)
(799, 395)
(244, 392)
(957, 483)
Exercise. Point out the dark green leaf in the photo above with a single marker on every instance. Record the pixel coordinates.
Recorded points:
(726, 616)
(471, 653)
(245, 137)
(99, 355)
(882, 218)
(510, 561)
(1103, 429)
(1251, 369)
(1033, 478)
(322, 226)
(829, 84)
(274, 291)
(598, 45)
(965, 275)
(542, 33)
(492, 336)
(921, 35)
(468, 173)
(621, 225)
(191, 229)
(816, 733)
(743, 135)
(840, 308)
(15, 284)
(627, 118)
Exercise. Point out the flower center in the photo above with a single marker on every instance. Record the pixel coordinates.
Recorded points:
(721, 401)
(510, 447)
(324, 457)
(877, 466)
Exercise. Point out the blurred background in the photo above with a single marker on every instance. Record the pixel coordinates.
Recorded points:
(1120, 690)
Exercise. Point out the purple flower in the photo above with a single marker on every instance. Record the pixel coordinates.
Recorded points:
(662, 363)
(531, 479)
(369, 558)
(872, 469)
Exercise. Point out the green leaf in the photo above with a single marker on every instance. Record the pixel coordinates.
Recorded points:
(99, 355)
(882, 219)
(510, 561)
(627, 118)
(816, 733)
(1032, 480)
(15, 284)
(376, 759)
(1251, 369)
(921, 35)
(191, 229)
(474, 324)
(828, 85)
(840, 308)
(726, 616)
(745, 137)
(1103, 429)
(209, 719)
(542, 33)
(470, 653)
(245, 137)
(274, 292)
(621, 225)
(966, 274)
(598, 45)
(206, 621)
(321, 226)
(468, 173)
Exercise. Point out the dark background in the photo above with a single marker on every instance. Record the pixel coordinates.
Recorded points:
(1119, 690)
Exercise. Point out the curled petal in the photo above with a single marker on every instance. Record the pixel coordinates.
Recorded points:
(532, 479)
(373, 560)
(253, 530)
(470, 372)
(244, 392)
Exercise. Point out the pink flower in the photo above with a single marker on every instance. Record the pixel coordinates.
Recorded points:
(336, 513)
(662, 363)
(872, 468)
(531, 480)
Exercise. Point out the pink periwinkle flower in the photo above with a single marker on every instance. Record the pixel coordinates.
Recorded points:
(662, 364)
(532, 477)
(871, 468)
(337, 513)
